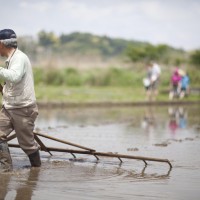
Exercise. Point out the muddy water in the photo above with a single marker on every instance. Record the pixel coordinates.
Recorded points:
(162, 132)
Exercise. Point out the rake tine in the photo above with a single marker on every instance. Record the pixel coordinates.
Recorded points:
(145, 162)
(96, 156)
(73, 155)
(42, 144)
(120, 159)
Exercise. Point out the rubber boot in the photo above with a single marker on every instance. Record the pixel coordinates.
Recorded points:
(35, 159)
(5, 158)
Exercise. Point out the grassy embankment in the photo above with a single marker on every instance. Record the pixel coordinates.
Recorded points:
(100, 85)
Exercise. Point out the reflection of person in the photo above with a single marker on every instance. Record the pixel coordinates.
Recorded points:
(178, 118)
(26, 190)
(182, 118)
(173, 124)
(23, 191)
(4, 182)
(149, 121)
(19, 109)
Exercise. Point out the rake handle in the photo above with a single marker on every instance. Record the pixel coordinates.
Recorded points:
(64, 141)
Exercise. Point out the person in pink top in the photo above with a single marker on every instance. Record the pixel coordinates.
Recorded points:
(176, 84)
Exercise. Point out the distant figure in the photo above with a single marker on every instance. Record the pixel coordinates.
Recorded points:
(151, 81)
(176, 84)
(147, 82)
(155, 79)
(185, 82)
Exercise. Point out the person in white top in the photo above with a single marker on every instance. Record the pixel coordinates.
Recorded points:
(151, 81)
(19, 109)
(156, 71)
(155, 79)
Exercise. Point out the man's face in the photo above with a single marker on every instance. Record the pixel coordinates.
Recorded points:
(2, 50)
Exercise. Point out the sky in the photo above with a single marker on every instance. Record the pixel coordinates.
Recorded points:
(172, 22)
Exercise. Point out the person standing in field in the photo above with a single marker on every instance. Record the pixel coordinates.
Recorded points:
(176, 84)
(151, 82)
(147, 82)
(19, 109)
(155, 79)
(185, 85)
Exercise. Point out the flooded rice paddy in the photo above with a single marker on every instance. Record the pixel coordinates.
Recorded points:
(162, 132)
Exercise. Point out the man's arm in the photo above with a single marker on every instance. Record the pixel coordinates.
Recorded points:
(14, 73)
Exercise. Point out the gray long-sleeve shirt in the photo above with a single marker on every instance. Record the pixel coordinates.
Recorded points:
(18, 91)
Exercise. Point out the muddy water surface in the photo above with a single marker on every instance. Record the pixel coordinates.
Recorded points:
(163, 132)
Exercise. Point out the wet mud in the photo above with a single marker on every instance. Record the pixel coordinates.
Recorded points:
(162, 132)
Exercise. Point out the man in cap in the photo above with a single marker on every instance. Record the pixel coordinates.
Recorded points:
(19, 109)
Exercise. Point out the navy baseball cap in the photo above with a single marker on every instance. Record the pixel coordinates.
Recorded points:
(7, 34)
(8, 38)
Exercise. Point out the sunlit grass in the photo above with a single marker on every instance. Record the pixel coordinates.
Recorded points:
(97, 94)
(101, 85)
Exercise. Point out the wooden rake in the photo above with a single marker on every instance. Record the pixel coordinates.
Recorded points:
(83, 150)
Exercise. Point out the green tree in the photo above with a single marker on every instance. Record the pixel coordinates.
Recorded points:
(195, 58)
(47, 39)
(148, 52)
(143, 53)
(135, 53)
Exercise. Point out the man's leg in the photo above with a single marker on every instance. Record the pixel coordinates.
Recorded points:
(23, 120)
(5, 129)
(5, 158)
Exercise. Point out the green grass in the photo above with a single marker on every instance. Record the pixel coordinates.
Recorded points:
(100, 85)
(97, 94)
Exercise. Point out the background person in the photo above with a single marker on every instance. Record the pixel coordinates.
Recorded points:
(19, 109)
(175, 84)
(151, 82)
(155, 79)
(147, 83)
(185, 85)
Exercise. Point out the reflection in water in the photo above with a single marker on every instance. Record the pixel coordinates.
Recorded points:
(149, 120)
(177, 118)
(147, 176)
(182, 117)
(127, 130)
(24, 191)
(4, 182)
(150, 123)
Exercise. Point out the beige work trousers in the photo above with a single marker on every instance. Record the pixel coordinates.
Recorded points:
(22, 121)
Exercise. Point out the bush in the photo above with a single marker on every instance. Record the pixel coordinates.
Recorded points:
(38, 74)
(103, 77)
(72, 77)
(53, 77)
